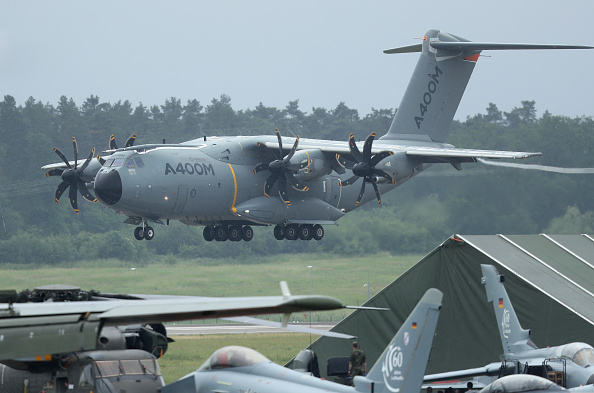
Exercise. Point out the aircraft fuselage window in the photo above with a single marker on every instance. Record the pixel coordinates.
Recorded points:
(117, 162)
(139, 162)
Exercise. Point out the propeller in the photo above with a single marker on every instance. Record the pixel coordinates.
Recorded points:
(72, 178)
(129, 142)
(364, 166)
(282, 171)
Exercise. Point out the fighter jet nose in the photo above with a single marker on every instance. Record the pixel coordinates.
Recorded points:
(108, 187)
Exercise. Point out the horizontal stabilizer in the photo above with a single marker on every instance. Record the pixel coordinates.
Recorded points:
(478, 46)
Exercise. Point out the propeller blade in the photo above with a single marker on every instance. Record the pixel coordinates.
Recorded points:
(270, 183)
(361, 193)
(348, 181)
(54, 172)
(260, 167)
(130, 140)
(295, 184)
(377, 193)
(282, 188)
(87, 161)
(72, 195)
(280, 143)
(75, 146)
(60, 190)
(112, 143)
(101, 160)
(367, 147)
(384, 174)
(290, 155)
(345, 162)
(379, 156)
(354, 149)
(62, 156)
(82, 188)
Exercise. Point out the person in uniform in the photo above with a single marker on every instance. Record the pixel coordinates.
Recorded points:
(357, 362)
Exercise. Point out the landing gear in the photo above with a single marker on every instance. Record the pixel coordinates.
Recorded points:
(235, 233)
(303, 232)
(147, 233)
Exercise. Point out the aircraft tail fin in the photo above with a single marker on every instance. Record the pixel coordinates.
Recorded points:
(513, 337)
(401, 366)
(438, 83)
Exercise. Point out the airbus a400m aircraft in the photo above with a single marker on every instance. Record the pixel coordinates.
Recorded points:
(228, 184)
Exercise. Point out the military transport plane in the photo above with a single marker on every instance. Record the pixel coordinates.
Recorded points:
(228, 184)
(399, 369)
(568, 365)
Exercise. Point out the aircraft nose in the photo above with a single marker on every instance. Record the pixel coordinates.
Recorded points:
(108, 187)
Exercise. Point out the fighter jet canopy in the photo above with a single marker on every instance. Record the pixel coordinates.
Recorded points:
(581, 354)
(233, 356)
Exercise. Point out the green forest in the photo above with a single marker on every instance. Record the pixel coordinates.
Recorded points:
(414, 218)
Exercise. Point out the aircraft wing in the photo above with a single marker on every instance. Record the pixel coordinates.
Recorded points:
(31, 329)
(437, 155)
(445, 154)
(492, 369)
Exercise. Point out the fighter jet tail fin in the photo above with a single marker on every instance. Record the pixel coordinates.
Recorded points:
(401, 366)
(438, 83)
(513, 337)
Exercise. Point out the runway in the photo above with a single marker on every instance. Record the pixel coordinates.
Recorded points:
(236, 328)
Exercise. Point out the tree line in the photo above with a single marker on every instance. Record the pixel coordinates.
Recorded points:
(414, 218)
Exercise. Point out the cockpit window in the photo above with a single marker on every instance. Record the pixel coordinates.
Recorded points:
(138, 161)
(581, 354)
(108, 368)
(233, 356)
(86, 377)
(117, 162)
(130, 163)
(584, 357)
(108, 163)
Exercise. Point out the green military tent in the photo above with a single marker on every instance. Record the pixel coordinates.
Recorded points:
(549, 278)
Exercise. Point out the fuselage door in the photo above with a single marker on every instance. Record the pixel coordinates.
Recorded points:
(180, 201)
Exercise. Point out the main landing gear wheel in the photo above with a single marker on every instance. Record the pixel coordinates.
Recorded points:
(318, 232)
(208, 234)
(247, 233)
(294, 232)
(220, 233)
(278, 232)
(234, 233)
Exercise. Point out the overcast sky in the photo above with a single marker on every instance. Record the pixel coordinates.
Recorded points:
(319, 52)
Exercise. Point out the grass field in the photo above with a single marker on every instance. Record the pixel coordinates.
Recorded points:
(343, 278)
(189, 352)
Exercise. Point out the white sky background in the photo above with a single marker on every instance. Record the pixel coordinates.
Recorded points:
(273, 51)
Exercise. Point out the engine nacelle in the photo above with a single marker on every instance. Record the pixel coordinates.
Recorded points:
(318, 165)
(399, 166)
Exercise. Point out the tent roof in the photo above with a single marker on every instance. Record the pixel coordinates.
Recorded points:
(550, 280)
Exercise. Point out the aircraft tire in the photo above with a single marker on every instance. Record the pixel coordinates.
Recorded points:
(306, 232)
(220, 233)
(208, 234)
(234, 233)
(247, 233)
(149, 233)
(318, 232)
(139, 233)
(278, 232)
(291, 232)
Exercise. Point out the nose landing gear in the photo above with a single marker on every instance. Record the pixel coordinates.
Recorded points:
(144, 232)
